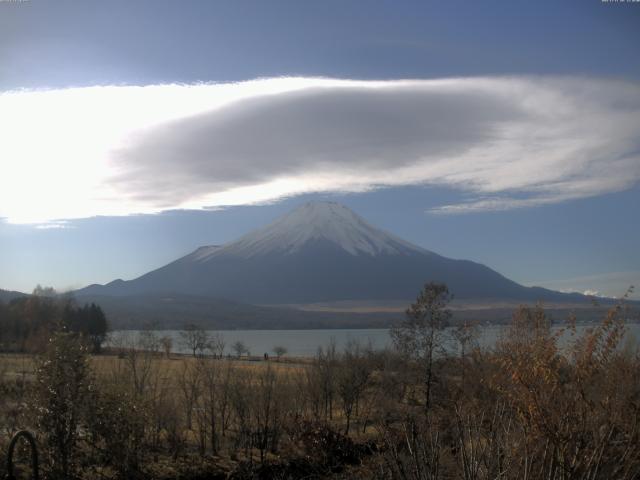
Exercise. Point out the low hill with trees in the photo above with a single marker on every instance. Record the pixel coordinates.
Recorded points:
(27, 322)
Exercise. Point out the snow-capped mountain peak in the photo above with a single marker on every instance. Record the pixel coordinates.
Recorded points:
(320, 252)
(314, 222)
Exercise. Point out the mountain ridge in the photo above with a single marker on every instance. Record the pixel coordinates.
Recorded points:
(8, 295)
(321, 251)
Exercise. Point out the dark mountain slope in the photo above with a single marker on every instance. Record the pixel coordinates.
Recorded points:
(321, 252)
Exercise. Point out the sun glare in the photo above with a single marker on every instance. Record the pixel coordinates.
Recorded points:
(56, 144)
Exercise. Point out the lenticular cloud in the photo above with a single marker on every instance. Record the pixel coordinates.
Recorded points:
(506, 142)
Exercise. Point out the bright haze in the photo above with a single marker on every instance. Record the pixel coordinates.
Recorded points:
(504, 133)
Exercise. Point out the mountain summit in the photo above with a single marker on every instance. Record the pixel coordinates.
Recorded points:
(320, 252)
(314, 223)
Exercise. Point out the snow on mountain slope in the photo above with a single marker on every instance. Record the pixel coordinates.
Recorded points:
(310, 223)
(203, 253)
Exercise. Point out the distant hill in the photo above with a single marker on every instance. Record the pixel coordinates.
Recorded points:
(317, 253)
(174, 311)
(7, 295)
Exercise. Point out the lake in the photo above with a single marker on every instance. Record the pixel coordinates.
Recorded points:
(305, 343)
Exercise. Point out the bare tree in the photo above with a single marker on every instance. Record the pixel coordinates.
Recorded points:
(118, 341)
(216, 345)
(223, 397)
(210, 372)
(420, 335)
(465, 336)
(268, 409)
(194, 338)
(280, 351)
(353, 377)
(241, 402)
(324, 373)
(167, 344)
(148, 341)
(240, 348)
(189, 383)
(138, 363)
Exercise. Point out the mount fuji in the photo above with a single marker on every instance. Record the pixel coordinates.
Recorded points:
(321, 252)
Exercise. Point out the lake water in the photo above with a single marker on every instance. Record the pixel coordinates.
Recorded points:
(305, 343)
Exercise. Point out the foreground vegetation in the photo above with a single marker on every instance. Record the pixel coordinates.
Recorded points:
(525, 409)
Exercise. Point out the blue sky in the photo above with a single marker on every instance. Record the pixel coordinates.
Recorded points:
(526, 158)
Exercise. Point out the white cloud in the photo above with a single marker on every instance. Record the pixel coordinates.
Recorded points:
(55, 225)
(507, 142)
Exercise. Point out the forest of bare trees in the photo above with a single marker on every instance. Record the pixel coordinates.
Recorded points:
(542, 403)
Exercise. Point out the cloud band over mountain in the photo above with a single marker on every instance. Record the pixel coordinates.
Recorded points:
(505, 142)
